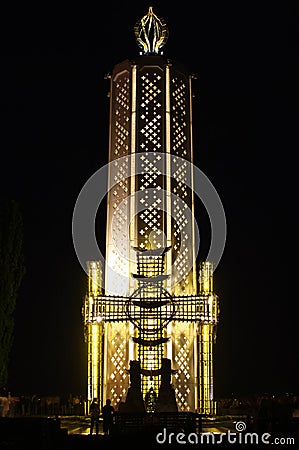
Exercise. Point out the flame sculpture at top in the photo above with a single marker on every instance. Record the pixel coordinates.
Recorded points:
(151, 32)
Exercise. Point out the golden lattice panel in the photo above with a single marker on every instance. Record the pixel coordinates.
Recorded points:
(179, 118)
(118, 247)
(117, 376)
(121, 116)
(182, 338)
(181, 224)
(150, 220)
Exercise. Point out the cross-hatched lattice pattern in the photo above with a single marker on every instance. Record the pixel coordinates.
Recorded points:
(181, 176)
(119, 184)
(119, 212)
(120, 207)
(180, 109)
(121, 116)
(150, 110)
(118, 363)
(150, 139)
(182, 360)
(182, 242)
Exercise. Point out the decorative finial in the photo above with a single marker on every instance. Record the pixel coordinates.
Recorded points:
(151, 32)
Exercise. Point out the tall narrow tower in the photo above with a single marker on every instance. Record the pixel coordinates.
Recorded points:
(157, 301)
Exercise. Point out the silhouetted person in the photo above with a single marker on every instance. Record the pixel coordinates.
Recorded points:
(108, 414)
(94, 411)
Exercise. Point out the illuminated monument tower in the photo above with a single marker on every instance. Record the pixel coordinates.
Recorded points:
(158, 303)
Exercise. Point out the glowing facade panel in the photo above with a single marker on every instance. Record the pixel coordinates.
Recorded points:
(182, 204)
(183, 335)
(118, 248)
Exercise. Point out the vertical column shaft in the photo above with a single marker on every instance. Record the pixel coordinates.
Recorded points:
(205, 360)
(206, 338)
(94, 332)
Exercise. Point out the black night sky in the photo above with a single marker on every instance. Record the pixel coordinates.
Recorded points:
(55, 112)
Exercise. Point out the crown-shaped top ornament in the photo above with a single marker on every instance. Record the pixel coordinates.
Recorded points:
(151, 33)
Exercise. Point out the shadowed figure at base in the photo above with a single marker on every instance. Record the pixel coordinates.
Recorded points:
(108, 412)
(94, 411)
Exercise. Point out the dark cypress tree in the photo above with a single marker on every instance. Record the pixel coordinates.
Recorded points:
(12, 270)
